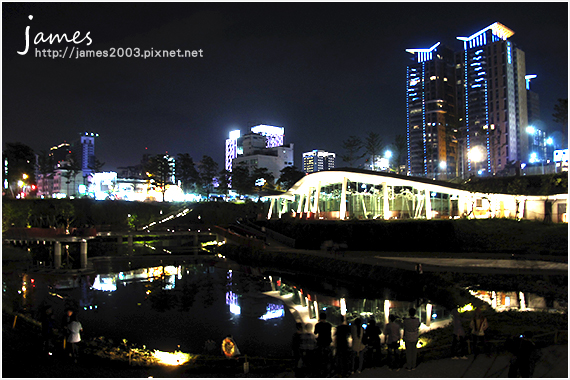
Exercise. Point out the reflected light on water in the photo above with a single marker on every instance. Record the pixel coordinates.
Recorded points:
(171, 358)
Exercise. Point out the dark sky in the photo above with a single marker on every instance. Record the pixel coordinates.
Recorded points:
(323, 71)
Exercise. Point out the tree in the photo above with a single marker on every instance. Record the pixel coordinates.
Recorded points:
(186, 172)
(561, 112)
(263, 178)
(159, 171)
(208, 168)
(96, 166)
(242, 182)
(373, 146)
(71, 167)
(352, 147)
(21, 162)
(290, 175)
(400, 146)
(224, 181)
(45, 168)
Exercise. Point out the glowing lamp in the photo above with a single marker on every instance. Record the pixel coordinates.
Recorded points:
(171, 358)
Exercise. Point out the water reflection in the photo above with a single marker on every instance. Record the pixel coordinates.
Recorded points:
(174, 306)
(181, 305)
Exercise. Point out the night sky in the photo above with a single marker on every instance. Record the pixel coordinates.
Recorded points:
(323, 71)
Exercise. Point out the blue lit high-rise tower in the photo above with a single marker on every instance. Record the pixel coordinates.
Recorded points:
(495, 101)
(431, 113)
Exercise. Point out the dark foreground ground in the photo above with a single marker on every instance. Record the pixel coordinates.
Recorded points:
(22, 358)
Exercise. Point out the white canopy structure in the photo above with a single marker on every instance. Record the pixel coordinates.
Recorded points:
(360, 194)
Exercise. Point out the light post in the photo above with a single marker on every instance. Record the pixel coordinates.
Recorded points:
(476, 154)
(387, 156)
(443, 168)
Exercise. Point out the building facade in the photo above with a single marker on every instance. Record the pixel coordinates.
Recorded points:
(274, 159)
(274, 137)
(495, 101)
(431, 113)
(318, 160)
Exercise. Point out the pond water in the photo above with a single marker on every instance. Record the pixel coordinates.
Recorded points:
(168, 304)
(181, 302)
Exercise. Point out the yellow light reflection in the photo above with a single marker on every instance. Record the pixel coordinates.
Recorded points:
(468, 307)
(171, 358)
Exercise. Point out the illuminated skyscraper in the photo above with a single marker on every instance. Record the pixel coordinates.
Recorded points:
(86, 152)
(495, 98)
(431, 109)
(467, 111)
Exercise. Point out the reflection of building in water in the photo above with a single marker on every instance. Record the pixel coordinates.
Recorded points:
(502, 301)
(251, 304)
(108, 282)
(337, 306)
(273, 311)
(231, 297)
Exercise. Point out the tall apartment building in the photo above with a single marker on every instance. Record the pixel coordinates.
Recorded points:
(482, 128)
(318, 160)
(432, 113)
(495, 96)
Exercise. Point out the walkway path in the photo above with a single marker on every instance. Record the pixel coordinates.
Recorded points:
(439, 262)
(553, 363)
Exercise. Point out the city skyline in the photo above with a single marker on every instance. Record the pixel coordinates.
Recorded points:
(321, 71)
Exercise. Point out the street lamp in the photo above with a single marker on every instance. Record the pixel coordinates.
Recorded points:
(477, 154)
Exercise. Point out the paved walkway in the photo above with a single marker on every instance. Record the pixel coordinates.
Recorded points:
(439, 262)
(553, 363)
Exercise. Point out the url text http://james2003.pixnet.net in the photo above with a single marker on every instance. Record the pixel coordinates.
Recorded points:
(76, 53)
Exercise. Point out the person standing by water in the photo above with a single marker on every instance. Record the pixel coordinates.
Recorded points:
(323, 332)
(65, 321)
(358, 345)
(48, 324)
(392, 338)
(74, 337)
(411, 335)
(373, 344)
(342, 356)
(458, 346)
(296, 347)
(307, 348)
(478, 326)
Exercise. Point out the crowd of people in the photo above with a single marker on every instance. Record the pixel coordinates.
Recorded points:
(349, 348)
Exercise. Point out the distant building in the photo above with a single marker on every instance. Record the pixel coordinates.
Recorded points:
(86, 152)
(60, 152)
(274, 136)
(273, 159)
(317, 160)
